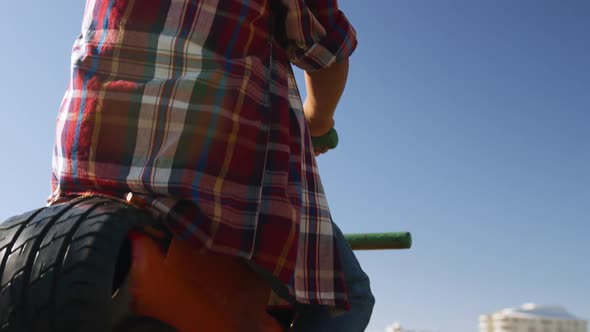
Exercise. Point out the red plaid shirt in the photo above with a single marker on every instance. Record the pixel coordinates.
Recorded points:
(192, 106)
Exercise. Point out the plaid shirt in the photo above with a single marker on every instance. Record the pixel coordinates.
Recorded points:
(193, 108)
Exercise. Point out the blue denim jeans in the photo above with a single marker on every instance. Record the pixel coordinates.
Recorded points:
(319, 318)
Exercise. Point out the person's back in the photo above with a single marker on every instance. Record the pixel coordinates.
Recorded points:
(190, 109)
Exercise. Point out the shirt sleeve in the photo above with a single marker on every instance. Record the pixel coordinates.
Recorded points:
(318, 33)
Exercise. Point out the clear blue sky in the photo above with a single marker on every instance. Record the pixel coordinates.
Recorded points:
(465, 122)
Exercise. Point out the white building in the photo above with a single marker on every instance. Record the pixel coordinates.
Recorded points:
(532, 318)
(396, 327)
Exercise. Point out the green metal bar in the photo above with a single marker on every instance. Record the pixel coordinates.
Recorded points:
(379, 241)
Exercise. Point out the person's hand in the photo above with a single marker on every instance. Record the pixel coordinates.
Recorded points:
(319, 151)
(325, 142)
(318, 126)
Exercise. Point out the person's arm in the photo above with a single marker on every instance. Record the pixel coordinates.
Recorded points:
(324, 88)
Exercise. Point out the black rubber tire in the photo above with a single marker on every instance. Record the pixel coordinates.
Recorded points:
(61, 265)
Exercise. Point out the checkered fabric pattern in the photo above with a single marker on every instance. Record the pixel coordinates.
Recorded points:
(192, 107)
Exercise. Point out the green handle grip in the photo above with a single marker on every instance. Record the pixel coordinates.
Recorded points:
(328, 140)
(379, 241)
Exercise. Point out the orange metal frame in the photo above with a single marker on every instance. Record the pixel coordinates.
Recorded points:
(194, 291)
